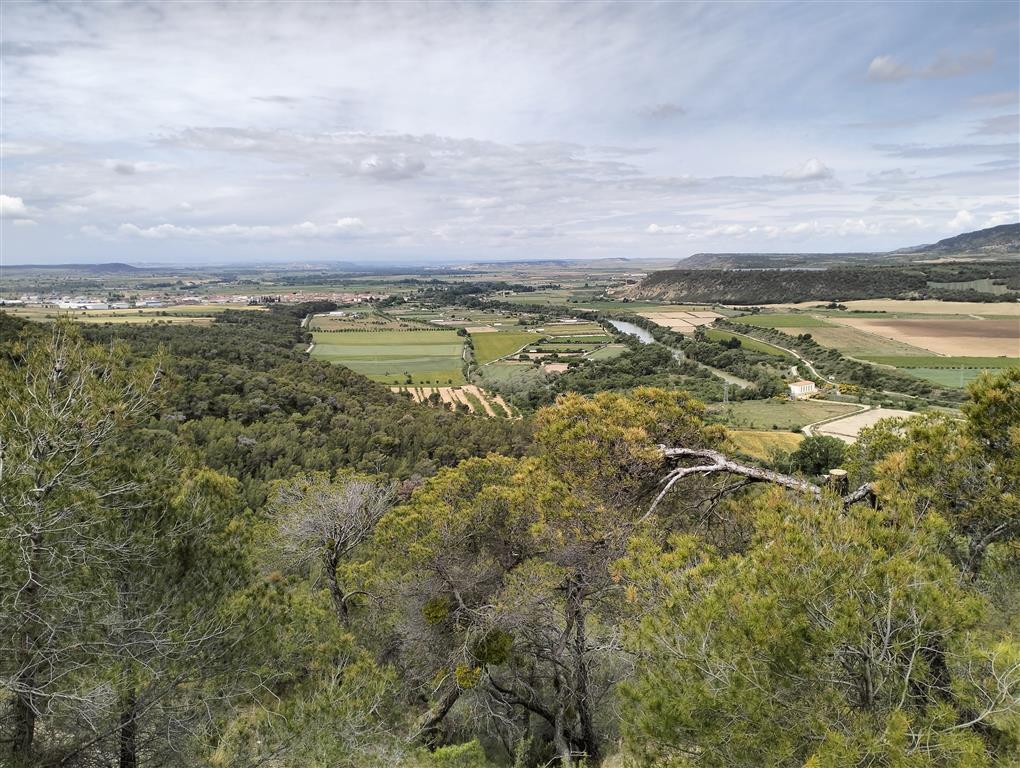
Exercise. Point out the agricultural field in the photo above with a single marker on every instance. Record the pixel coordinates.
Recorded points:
(973, 336)
(940, 361)
(607, 352)
(392, 357)
(991, 309)
(778, 320)
(492, 346)
(856, 342)
(848, 428)
(748, 343)
(946, 377)
(573, 330)
(947, 371)
(459, 317)
(506, 372)
(683, 321)
(761, 445)
(189, 314)
(360, 321)
(475, 399)
(778, 414)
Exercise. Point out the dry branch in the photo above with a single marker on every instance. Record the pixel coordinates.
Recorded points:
(722, 463)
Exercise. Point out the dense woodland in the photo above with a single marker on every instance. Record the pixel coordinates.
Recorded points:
(214, 551)
(770, 286)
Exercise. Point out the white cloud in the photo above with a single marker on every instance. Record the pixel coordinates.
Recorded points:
(346, 226)
(12, 208)
(560, 129)
(668, 229)
(961, 220)
(888, 69)
(1003, 217)
(800, 228)
(813, 170)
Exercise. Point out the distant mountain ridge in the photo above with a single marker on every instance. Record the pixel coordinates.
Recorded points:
(991, 244)
(113, 267)
(998, 241)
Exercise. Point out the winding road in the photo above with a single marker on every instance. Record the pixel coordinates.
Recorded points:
(796, 354)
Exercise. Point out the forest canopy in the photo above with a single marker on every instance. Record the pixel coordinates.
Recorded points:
(217, 552)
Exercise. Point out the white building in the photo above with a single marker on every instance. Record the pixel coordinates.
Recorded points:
(802, 388)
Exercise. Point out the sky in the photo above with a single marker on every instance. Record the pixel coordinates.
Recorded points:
(208, 133)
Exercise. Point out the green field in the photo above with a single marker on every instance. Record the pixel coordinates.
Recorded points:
(946, 371)
(939, 361)
(946, 377)
(491, 346)
(786, 320)
(607, 352)
(428, 357)
(747, 343)
(523, 375)
(778, 414)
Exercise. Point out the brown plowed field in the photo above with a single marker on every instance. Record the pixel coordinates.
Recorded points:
(976, 338)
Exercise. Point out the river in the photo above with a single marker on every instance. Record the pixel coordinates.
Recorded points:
(633, 330)
(646, 338)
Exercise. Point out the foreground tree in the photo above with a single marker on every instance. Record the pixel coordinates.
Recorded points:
(498, 571)
(815, 647)
(846, 634)
(117, 558)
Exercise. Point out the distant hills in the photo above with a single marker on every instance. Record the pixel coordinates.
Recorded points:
(110, 268)
(975, 266)
(992, 244)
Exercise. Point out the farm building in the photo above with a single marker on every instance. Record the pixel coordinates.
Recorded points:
(802, 388)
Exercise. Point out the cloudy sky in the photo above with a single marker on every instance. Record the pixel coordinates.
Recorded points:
(231, 132)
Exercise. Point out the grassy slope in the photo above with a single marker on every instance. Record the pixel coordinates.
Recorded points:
(752, 344)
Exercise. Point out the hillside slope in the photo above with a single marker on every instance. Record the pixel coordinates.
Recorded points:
(992, 244)
(770, 286)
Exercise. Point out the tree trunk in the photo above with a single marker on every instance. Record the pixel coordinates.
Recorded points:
(129, 732)
(332, 562)
(559, 724)
(427, 723)
(24, 702)
(582, 703)
(24, 719)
